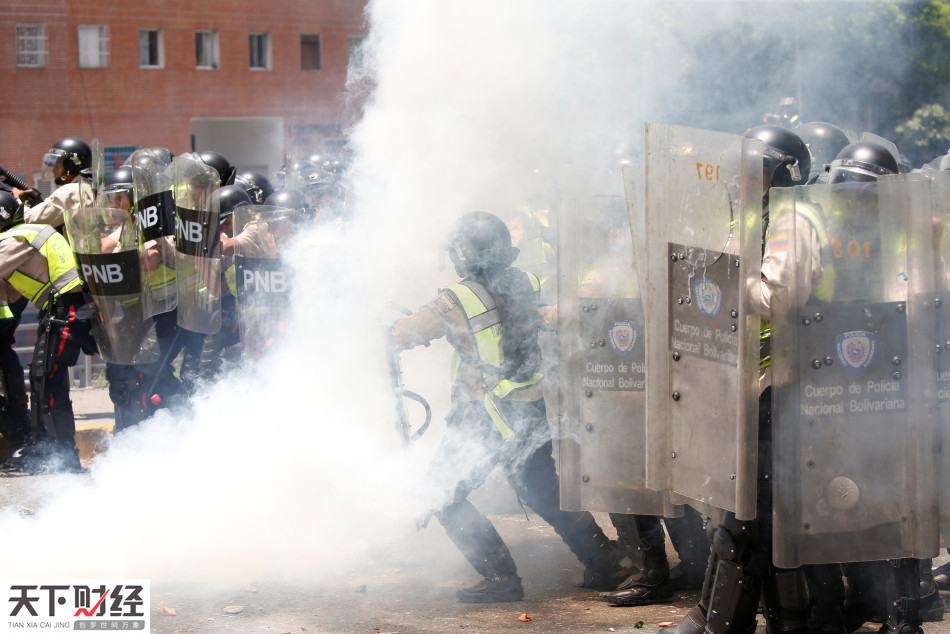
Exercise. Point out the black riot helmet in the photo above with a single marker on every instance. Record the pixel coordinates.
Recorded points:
(824, 141)
(149, 157)
(787, 161)
(72, 154)
(294, 200)
(11, 210)
(256, 185)
(229, 198)
(119, 181)
(480, 244)
(863, 161)
(221, 165)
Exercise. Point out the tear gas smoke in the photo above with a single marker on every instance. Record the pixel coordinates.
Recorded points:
(294, 465)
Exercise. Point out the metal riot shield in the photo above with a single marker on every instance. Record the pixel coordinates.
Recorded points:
(155, 222)
(199, 266)
(854, 424)
(262, 278)
(602, 383)
(940, 181)
(105, 245)
(703, 252)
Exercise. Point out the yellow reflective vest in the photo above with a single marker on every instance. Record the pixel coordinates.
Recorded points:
(485, 323)
(63, 272)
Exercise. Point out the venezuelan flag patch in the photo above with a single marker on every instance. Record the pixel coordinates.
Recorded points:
(445, 302)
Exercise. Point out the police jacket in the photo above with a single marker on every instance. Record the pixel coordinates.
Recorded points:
(65, 199)
(450, 315)
(35, 261)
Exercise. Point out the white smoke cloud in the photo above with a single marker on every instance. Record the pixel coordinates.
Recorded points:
(475, 105)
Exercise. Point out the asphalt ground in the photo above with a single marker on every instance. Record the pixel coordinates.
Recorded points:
(392, 590)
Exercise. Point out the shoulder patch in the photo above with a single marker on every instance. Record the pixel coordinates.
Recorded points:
(446, 302)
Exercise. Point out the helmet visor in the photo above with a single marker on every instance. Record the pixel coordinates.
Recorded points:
(52, 164)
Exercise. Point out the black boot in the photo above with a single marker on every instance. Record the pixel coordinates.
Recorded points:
(496, 590)
(931, 605)
(689, 539)
(477, 539)
(652, 585)
(601, 556)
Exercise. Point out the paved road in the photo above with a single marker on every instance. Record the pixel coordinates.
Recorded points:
(407, 586)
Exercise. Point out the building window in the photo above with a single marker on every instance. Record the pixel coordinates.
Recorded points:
(260, 51)
(309, 52)
(354, 49)
(206, 50)
(151, 48)
(93, 46)
(31, 45)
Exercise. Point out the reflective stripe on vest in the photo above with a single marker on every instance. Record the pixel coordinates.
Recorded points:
(485, 323)
(60, 260)
(5, 312)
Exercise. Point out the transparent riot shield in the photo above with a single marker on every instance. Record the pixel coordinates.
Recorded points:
(155, 222)
(199, 266)
(702, 217)
(853, 416)
(262, 279)
(105, 245)
(601, 377)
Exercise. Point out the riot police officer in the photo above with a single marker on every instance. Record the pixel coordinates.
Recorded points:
(218, 348)
(14, 406)
(68, 164)
(36, 262)
(740, 572)
(491, 319)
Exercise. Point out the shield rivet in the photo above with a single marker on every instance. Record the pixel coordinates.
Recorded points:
(939, 348)
(676, 396)
(585, 478)
(593, 306)
(818, 317)
(676, 355)
(816, 364)
(589, 427)
(938, 302)
(689, 300)
(734, 327)
(585, 308)
(732, 476)
(588, 394)
(679, 300)
(896, 375)
(829, 360)
(806, 321)
(896, 360)
(734, 313)
(601, 343)
(673, 454)
(899, 308)
(673, 257)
